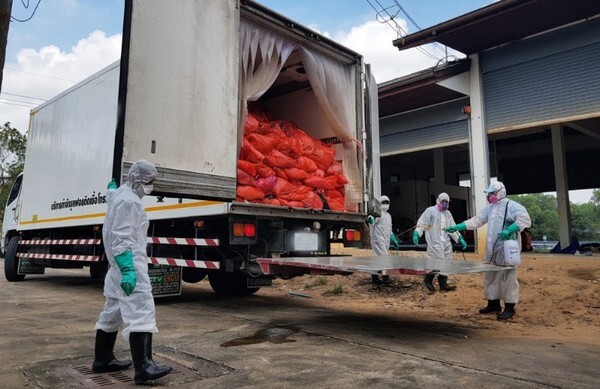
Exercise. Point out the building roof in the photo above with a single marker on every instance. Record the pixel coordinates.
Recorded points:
(501, 22)
(419, 89)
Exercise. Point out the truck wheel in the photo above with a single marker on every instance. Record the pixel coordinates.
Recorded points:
(230, 284)
(98, 269)
(11, 262)
(192, 275)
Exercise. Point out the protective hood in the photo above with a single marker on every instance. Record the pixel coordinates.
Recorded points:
(443, 201)
(497, 187)
(385, 199)
(141, 172)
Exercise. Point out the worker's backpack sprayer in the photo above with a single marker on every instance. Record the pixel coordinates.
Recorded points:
(512, 250)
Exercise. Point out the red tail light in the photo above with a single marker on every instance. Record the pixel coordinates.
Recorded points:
(249, 230)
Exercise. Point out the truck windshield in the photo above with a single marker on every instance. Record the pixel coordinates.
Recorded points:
(14, 193)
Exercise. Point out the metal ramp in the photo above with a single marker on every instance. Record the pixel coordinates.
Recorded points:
(385, 265)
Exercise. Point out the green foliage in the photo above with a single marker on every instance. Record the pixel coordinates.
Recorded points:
(337, 290)
(318, 282)
(585, 220)
(12, 158)
(543, 210)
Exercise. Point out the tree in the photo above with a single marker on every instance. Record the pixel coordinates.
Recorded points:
(12, 158)
(543, 211)
(596, 197)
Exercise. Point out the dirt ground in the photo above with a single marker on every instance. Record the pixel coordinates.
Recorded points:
(560, 297)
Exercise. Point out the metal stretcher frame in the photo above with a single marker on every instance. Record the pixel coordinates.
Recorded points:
(384, 265)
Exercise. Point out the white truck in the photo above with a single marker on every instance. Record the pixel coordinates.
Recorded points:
(178, 98)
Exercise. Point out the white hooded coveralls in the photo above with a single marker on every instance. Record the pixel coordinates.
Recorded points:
(381, 231)
(125, 229)
(502, 284)
(438, 241)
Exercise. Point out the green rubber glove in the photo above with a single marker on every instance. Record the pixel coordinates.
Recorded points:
(462, 242)
(507, 234)
(125, 263)
(395, 241)
(416, 238)
(112, 184)
(370, 219)
(458, 227)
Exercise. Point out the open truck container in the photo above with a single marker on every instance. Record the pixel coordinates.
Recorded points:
(179, 98)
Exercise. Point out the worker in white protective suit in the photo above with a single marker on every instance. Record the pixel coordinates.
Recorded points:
(433, 221)
(129, 300)
(381, 234)
(505, 218)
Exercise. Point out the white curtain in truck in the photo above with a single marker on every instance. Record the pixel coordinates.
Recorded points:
(263, 54)
(334, 88)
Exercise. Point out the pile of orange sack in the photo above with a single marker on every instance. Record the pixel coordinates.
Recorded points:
(280, 164)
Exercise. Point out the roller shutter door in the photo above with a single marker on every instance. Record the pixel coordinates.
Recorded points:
(424, 138)
(559, 86)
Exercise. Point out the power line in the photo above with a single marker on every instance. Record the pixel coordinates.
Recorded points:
(38, 74)
(444, 48)
(18, 105)
(13, 19)
(19, 101)
(384, 15)
(27, 97)
(397, 28)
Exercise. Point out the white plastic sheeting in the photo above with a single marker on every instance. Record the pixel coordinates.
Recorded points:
(334, 86)
(263, 54)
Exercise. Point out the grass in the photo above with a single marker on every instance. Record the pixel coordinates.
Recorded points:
(318, 282)
(336, 291)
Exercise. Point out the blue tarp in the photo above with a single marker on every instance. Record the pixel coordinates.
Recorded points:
(571, 249)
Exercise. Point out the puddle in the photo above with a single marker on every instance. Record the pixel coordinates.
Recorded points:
(275, 335)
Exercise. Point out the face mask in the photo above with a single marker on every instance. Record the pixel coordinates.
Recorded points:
(385, 207)
(147, 188)
(492, 199)
(442, 206)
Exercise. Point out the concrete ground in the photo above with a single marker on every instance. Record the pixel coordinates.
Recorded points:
(47, 330)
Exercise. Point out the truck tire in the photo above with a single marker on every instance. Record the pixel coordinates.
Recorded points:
(192, 275)
(230, 284)
(98, 269)
(11, 262)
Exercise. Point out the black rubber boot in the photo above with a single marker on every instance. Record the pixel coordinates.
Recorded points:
(492, 307)
(428, 281)
(104, 359)
(509, 312)
(386, 280)
(141, 352)
(375, 279)
(443, 280)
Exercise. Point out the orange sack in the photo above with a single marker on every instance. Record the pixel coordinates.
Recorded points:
(244, 178)
(277, 159)
(251, 124)
(249, 153)
(249, 192)
(295, 174)
(262, 143)
(247, 166)
(322, 155)
(326, 183)
(306, 164)
(264, 171)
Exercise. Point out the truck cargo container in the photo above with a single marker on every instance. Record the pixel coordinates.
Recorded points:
(179, 98)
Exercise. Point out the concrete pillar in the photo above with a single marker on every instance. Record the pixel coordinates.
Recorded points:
(478, 149)
(438, 170)
(562, 184)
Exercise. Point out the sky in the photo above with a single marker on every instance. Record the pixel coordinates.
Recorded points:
(53, 44)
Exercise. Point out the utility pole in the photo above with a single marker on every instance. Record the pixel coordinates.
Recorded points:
(5, 8)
